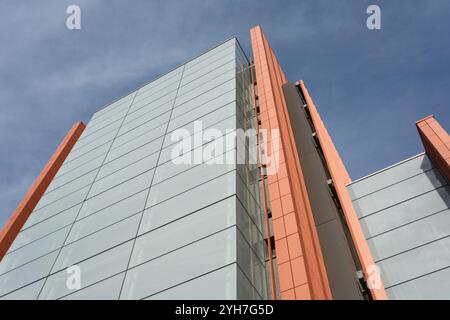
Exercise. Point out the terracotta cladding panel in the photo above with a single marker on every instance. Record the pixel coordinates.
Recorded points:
(287, 192)
(34, 194)
(436, 142)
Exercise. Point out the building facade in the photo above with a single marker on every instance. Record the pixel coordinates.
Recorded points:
(219, 180)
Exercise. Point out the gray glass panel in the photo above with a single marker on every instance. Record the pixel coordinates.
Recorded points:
(108, 289)
(84, 159)
(181, 265)
(410, 236)
(186, 180)
(108, 216)
(75, 173)
(217, 285)
(220, 69)
(66, 189)
(397, 173)
(106, 139)
(148, 112)
(92, 270)
(160, 80)
(57, 206)
(435, 286)
(96, 243)
(113, 105)
(160, 241)
(406, 212)
(415, 263)
(227, 80)
(189, 201)
(33, 250)
(136, 128)
(251, 265)
(396, 193)
(35, 218)
(218, 52)
(118, 177)
(113, 127)
(29, 292)
(45, 227)
(116, 194)
(147, 153)
(26, 274)
(149, 137)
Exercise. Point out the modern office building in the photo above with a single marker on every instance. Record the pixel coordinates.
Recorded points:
(218, 180)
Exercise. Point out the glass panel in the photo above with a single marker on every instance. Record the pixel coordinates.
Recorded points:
(59, 180)
(33, 250)
(173, 142)
(57, 206)
(148, 111)
(94, 244)
(137, 127)
(36, 218)
(186, 180)
(214, 218)
(218, 52)
(153, 95)
(108, 216)
(406, 212)
(47, 226)
(121, 176)
(217, 285)
(26, 274)
(158, 102)
(399, 192)
(172, 168)
(181, 265)
(29, 292)
(214, 64)
(84, 159)
(389, 176)
(66, 189)
(189, 201)
(415, 263)
(251, 265)
(220, 109)
(410, 236)
(100, 267)
(435, 286)
(160, 80)
(224, 80)
(96, 125)
(114, 105)
(204, 98)
(116, 194)
(108, 289)
(149, 152)
(138, 142)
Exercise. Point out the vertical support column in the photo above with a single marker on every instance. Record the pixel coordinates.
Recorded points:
(34, 194)
(301, 268)
(436, 142)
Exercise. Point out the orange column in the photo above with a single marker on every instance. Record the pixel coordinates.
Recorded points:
(340, 179)
(34, 194)
(436, 142)
(301, 268)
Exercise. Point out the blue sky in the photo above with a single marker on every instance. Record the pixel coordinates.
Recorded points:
(369, 86)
